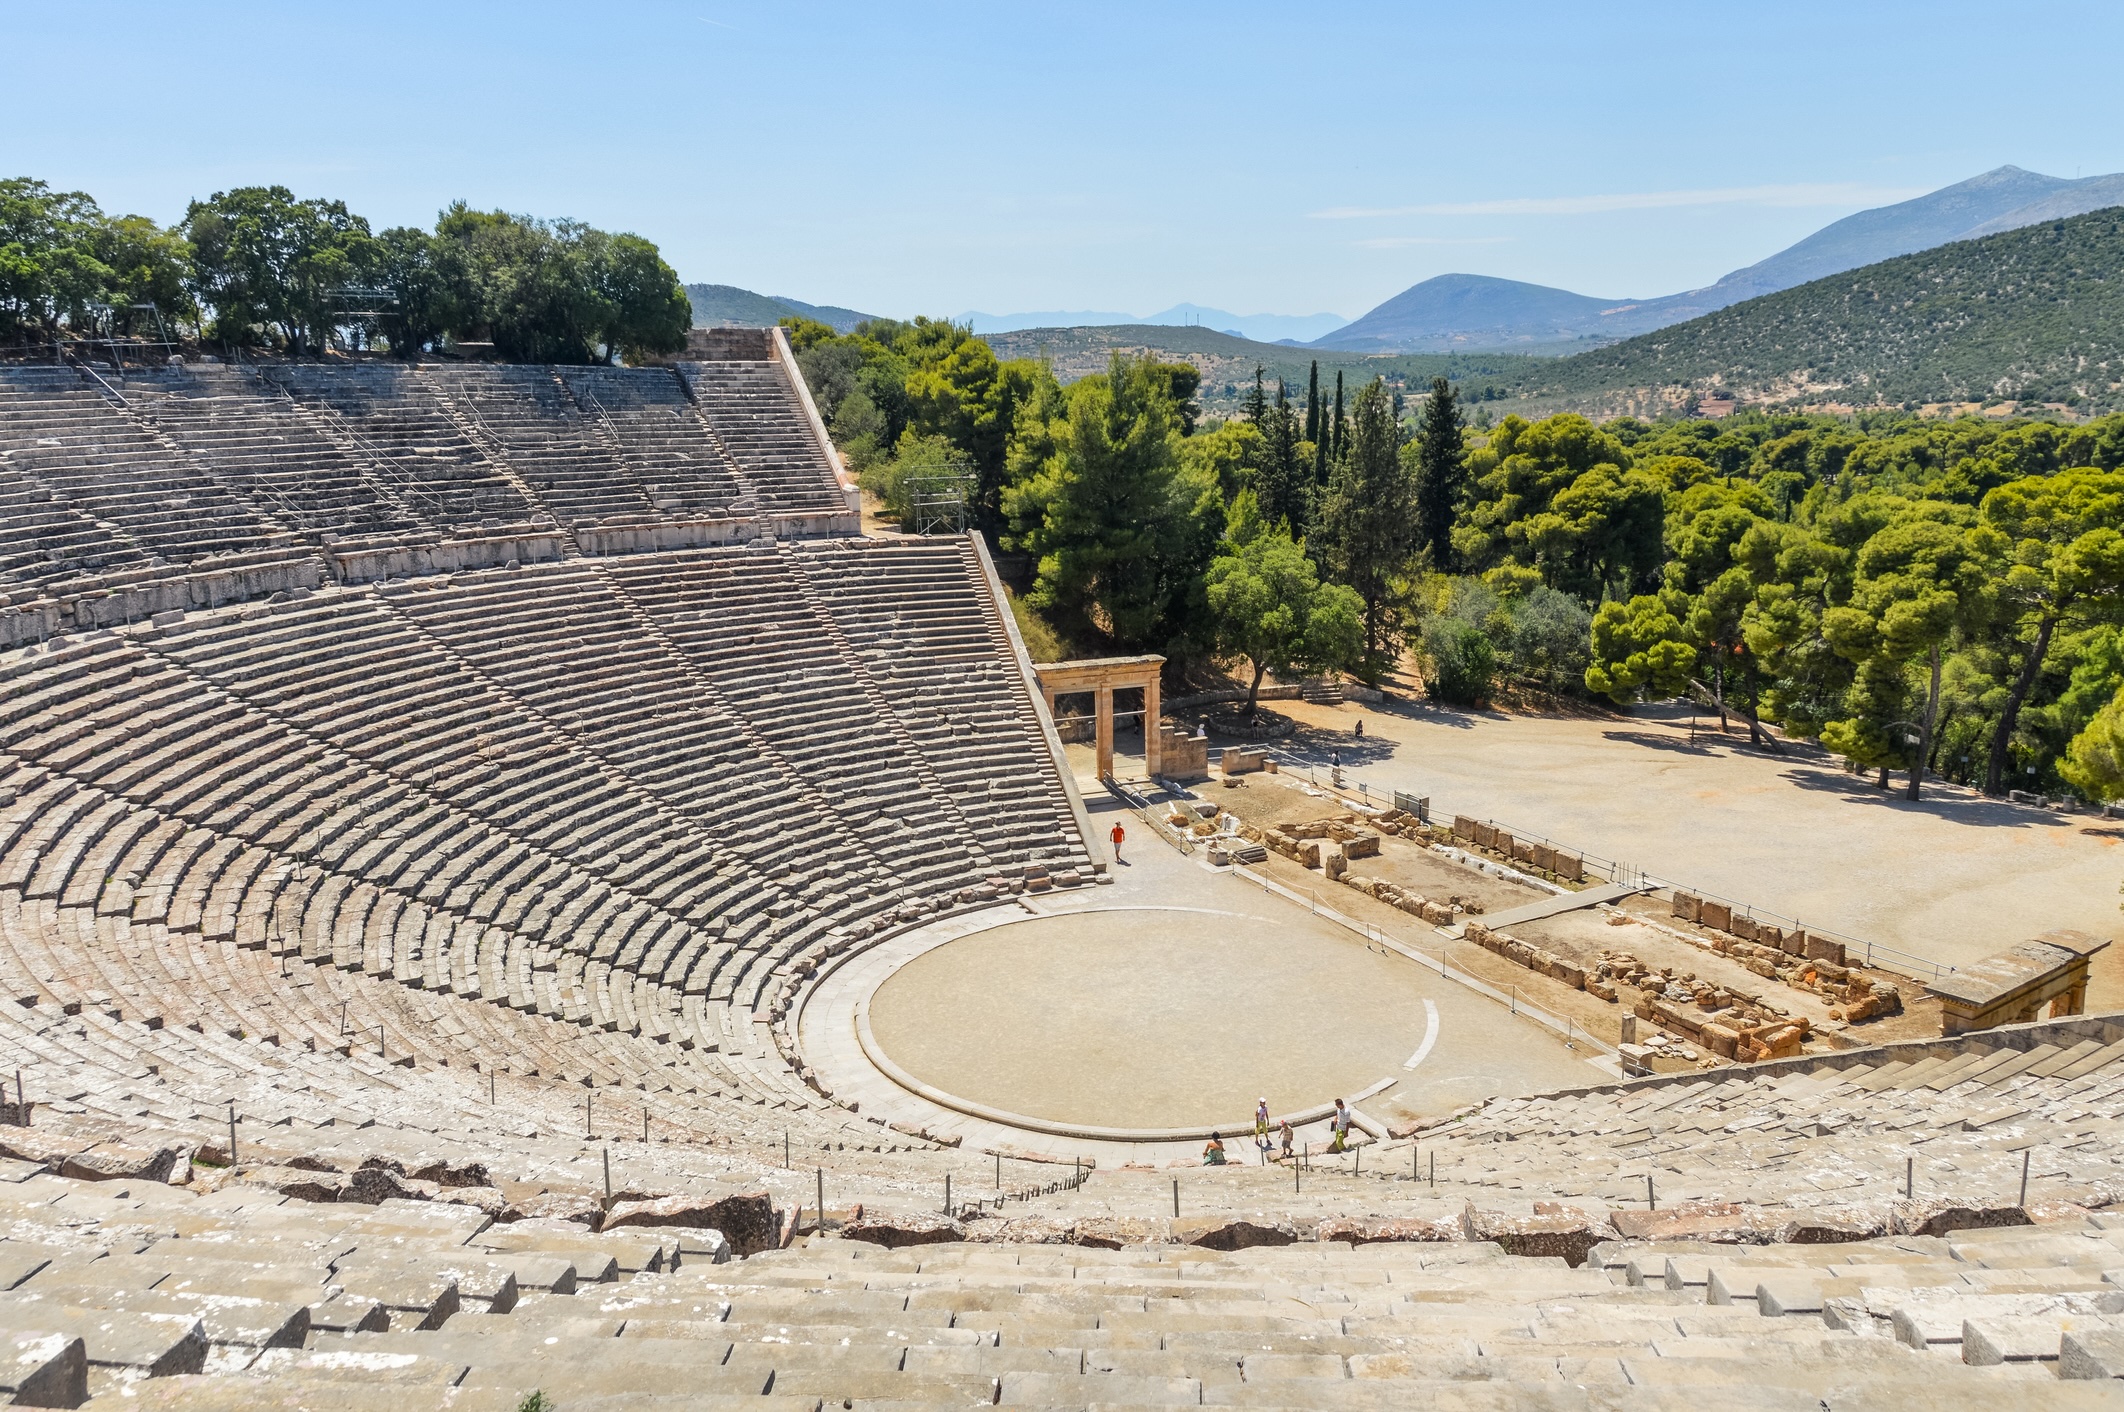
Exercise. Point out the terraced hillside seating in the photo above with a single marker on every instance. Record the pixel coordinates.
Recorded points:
(148, 1296)
(189, 465)
(629, 797)
(755, 410)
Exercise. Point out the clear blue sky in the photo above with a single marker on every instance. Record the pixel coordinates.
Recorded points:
(903, 159)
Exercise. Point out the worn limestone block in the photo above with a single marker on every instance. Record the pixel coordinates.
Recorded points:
(1114, 1232)
(1742, 927)
(1361, 844)
(1333, 862)
(1501, 842)
(1722, 1222)
(577, 1208)
(300, 1183)
(118, 1161)
(1523, 852)
(1767, 935)
(1545, 857)
(1715, 915)
(2085, 1354)
(895, 1230)
(1722, 1040)
(1831, 1225)
(1821, 948)
(1372, 1230)
(41, 1368)
(1562, 1231)
(1463, 828)
(1232, 1232)
(1020, 1230)
(745, 1218)
(1570, 867)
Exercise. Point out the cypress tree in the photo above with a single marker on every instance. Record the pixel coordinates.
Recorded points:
(1439, 474)
(1279, 487)
(1256, 403)
(1341, 430)
(1367, 523)
(1312, 404)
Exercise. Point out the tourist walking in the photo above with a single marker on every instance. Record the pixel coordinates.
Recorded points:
(1283, 1133)
(1342, 1128)
(1261, 1119)
(1119, 834)
(1360, 728)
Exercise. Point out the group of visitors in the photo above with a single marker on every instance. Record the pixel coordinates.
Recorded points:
(1213, 1154)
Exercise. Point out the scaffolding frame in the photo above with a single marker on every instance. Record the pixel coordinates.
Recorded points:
(937, 504)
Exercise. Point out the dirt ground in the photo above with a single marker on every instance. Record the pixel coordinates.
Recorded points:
(1952, 879)
(1639, 928)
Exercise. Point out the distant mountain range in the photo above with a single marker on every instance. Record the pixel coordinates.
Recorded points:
(720, 305)
(1468, 313)
(1261, 328)
(2033, 314)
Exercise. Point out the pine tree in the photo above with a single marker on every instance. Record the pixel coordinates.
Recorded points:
(1439, 474)
(1312, 404)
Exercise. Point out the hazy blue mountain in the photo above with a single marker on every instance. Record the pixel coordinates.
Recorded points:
(725, 304)
(1449, 312)
(1470, 312)
(1263, 328)
(1045, 318)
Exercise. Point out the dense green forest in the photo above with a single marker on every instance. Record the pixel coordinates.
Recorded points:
(1897, 587)
(256, 267)
(1227, 362)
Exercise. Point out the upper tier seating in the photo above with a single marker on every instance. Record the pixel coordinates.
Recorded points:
(178, 467)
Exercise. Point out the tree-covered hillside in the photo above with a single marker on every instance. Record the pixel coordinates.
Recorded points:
(2028, 316)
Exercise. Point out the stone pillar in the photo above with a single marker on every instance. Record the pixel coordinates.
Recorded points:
(1153, 746)
(1104, 710)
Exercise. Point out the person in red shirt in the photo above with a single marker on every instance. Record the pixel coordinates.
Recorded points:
(1119, 834)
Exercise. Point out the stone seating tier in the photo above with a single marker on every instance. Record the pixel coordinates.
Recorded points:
(136, 1294)
(614, 797)
(180, 466)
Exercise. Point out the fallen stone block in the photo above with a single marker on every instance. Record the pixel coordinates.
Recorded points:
(1821, 948)
(897, 1230)
(746, 1219)
(1231, 1233)
(1940, 1215)
(1688, 906)
(1566, 1232)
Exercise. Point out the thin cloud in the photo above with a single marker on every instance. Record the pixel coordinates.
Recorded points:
(1839, 193)
(1403, 242)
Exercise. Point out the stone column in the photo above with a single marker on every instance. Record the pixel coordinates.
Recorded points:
(1153, 747)
(1104, 710)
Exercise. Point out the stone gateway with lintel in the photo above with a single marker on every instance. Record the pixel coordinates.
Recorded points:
(2012, 987)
